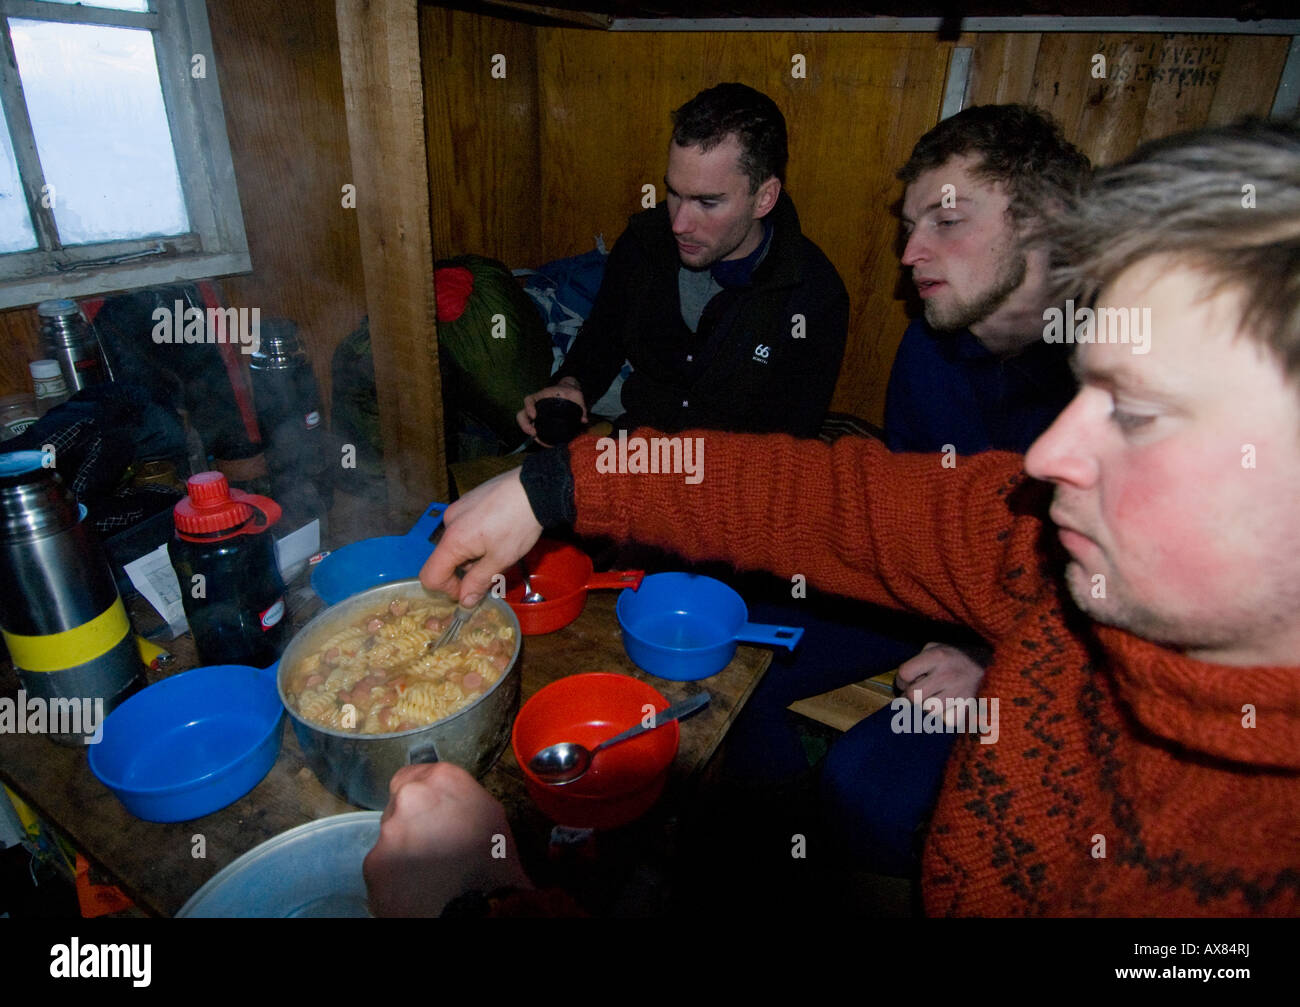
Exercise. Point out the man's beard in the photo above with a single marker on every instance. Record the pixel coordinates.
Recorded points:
(964, 314)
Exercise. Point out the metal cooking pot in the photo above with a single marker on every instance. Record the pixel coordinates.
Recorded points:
(358, 767)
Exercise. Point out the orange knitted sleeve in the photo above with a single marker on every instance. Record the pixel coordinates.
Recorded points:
(957, 542)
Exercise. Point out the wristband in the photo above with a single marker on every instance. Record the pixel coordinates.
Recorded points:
(548, 484)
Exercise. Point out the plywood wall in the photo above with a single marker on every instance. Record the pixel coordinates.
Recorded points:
(483, 137)
(1144, 87)
(606, 128)
(19, 345)
(283, 96)
(600, 104)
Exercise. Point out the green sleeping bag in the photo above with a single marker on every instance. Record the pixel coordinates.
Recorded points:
(493, 347)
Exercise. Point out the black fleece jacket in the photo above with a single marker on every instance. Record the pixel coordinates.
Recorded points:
(752, 366)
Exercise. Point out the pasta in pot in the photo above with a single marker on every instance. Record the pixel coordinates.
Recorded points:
(378, 676)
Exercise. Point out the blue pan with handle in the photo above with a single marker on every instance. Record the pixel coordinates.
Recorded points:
(355, 567)
(686, 626)
(193, 743)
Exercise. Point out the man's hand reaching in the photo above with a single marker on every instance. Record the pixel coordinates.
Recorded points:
(488, 531)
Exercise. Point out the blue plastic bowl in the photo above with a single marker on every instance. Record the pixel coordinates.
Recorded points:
(355, 567)
(191, 744)
(685, 626)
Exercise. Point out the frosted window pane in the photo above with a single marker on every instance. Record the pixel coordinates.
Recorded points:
(16, 234)
(101, 130)
(136, 5)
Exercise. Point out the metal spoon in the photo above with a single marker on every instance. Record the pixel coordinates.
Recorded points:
(531, 597)
(565, 762)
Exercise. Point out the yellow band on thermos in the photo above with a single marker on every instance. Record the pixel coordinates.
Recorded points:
(57, 651)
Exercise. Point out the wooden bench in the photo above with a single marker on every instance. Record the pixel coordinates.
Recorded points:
(843, 707)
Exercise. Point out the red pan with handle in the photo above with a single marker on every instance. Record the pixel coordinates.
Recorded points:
(562, 574)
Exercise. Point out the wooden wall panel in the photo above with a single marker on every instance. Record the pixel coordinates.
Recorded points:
(1248, 83)
(1002, 67)
(1060, 83)
(283, 97)
(20, 344)
(1186, 71)
(852, 120)
(483, 154)
(1154, 85)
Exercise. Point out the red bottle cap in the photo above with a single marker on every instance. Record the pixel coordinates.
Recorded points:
(214, 511)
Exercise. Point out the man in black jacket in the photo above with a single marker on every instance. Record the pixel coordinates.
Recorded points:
(730, 317)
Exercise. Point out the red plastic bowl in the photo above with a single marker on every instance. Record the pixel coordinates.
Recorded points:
(563, 575)
(624, 781)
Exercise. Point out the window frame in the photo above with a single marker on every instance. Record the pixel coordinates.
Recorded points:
(216, 244)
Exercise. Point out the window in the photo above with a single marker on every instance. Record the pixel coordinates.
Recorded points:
(115, 170)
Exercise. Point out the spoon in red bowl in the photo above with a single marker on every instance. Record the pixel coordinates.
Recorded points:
(531, 597)
(566, 761)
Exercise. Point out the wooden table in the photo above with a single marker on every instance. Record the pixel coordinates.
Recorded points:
(155, 863)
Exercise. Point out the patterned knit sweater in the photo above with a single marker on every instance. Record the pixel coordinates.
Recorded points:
(1124, 780)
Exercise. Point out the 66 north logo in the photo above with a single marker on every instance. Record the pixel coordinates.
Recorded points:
(761, 352)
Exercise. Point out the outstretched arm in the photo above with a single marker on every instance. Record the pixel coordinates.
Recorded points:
(953, 543)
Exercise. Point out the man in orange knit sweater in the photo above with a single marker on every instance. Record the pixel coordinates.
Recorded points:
(1137, 572)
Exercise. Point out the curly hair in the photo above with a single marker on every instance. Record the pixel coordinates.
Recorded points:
(1018, 146)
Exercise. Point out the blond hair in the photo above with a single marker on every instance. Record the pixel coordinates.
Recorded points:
(1223, 200)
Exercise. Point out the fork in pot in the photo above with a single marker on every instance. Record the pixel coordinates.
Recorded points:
(462, 614)
(453, 628)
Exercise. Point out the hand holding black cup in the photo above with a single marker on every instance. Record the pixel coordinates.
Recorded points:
(558, 420)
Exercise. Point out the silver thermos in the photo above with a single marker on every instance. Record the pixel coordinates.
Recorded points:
(67, 337)
(61, 616)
